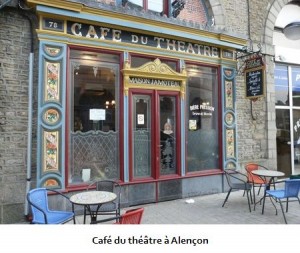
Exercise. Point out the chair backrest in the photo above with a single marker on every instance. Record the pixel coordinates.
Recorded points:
(234, 176)
(38, 200)
(292, 188)
(254, 178)
(132, 216)
(107, 185)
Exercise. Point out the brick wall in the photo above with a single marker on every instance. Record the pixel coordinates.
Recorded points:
(193, 11)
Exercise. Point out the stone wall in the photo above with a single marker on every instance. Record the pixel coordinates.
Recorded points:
(14, 64)
(256, 127)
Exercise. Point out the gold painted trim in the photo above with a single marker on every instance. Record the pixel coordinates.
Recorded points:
(154, 70)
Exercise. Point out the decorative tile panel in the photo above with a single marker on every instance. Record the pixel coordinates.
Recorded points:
(230, 146)
(51, 116)
(229, 116)
(228, 94)
(52, 81)
(51, 151)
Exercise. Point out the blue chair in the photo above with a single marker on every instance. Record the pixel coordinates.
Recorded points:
(41, 214)
(291, 190)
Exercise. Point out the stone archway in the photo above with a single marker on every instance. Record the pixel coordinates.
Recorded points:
(215, 9)
(274, 8)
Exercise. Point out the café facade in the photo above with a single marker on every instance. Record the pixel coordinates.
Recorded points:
(162, 104)
(147, 103)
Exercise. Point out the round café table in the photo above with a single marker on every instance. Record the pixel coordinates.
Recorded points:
(269, 176)
(90, 198)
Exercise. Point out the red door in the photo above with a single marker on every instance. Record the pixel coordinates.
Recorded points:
(154, 134)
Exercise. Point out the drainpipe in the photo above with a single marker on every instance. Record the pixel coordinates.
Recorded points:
(30, 99)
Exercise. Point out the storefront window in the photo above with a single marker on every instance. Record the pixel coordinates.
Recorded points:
(93, 121)
(296, 85)
(287, 84)
(281, 85)
(202, 119)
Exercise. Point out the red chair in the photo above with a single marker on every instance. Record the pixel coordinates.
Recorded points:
(132, 216)
(255, 180)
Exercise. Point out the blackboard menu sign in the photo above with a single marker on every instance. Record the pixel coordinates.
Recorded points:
(254, 78)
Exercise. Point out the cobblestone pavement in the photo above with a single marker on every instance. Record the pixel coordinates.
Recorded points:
(208, 210)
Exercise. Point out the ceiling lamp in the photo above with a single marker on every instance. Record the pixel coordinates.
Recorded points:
(292, 31)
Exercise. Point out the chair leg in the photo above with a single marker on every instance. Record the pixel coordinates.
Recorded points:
(282, 211)
(249, 199)
(84, 214)
(226, 197)
(253, 194)
(264, 200)
(259, 190)
(287, 204)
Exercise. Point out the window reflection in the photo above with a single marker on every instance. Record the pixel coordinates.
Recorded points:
(202, 121)
(296, 85)
(281, 85)
(93, 135)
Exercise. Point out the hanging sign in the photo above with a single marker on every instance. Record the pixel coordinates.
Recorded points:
(254, 78)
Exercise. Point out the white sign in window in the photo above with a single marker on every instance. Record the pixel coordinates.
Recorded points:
(97, 114)
(140, 119)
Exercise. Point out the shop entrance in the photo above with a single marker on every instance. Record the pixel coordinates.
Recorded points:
(154, 131)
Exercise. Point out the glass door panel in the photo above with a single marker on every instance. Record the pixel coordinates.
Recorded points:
(142, 136)
(167, 135)
(154, 151)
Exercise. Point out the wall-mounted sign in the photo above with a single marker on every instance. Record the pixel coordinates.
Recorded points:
(254, 78)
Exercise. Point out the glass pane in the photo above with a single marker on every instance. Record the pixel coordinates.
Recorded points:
(155, 5)
(137, 61)
(283, 141)
(142, 136)
(93, 121)
(296, 86)
(167, 135)
(202, 119)
(281, 85)
(296, 127)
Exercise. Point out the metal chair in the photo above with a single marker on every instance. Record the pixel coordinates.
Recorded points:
(41, 214)
(111, 208)
(237, 181)
(291, 190)
(255, 180)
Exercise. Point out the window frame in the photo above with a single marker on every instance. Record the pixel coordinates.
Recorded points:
(218, 119)
(82, 185)
(165, 8)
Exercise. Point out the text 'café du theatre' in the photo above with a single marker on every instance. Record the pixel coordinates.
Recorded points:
(103, 33)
